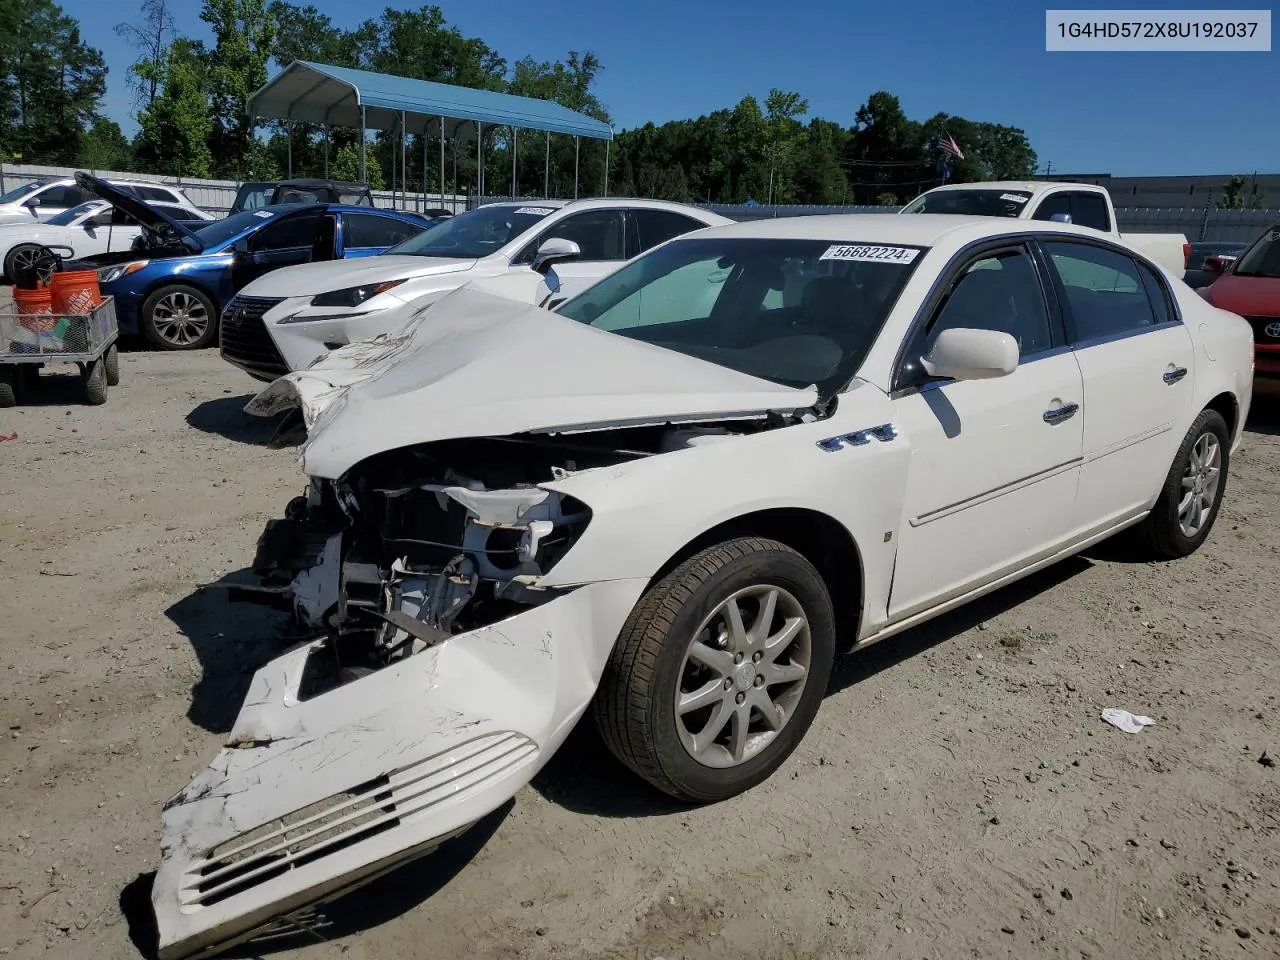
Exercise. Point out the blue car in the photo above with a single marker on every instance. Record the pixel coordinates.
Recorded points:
(172, 287)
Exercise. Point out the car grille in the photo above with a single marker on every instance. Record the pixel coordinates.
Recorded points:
(1266, 330)
(245, 341)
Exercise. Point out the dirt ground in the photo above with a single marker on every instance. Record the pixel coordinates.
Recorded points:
(958, 795)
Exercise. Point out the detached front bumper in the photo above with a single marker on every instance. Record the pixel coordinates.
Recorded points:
(311, 797)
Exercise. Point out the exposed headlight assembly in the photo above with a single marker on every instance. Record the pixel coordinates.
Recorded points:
(118, 270)
(353, 296)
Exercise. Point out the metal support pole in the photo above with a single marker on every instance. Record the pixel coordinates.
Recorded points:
(364, 171)
(404, 167)
(442, 161)
(513, 163)
(426, 142)
(455, 166)
(326, 151)
(546, 170)
(577, 144)
(289, 128)
(606, 169)
(479, 159)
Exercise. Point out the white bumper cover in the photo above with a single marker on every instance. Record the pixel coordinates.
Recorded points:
(312, 796)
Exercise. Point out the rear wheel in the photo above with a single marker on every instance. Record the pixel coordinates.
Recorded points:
(1192, 494)
(179, 317)
(719, 670)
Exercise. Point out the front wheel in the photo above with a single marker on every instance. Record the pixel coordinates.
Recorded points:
(1192, 493)
(719, 670)
(179, 317)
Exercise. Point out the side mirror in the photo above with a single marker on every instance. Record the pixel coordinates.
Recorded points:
(1218, 265)
(241, 247)
(1060, 217)
(963, 353)
(552, 251)
(32, 203)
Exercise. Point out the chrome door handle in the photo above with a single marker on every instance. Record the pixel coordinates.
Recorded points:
(1058, 414)
(1174, 375)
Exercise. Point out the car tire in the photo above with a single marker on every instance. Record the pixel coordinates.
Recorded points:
(179, 317)
(20, 252)
(1192, 493)
(679, 644)
(10, 379)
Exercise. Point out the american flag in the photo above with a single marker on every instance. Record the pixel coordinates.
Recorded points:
(947, 144)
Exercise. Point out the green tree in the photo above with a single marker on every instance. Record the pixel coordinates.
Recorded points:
(346, 166)
(174, 132)
(150, 36)
(237, 67)
(819, 176)
(106, 147)
(51, 81)
(884, 149)
(785, 137)
(1232, 195)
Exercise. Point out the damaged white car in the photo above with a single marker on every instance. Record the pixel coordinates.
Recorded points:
(672, 502)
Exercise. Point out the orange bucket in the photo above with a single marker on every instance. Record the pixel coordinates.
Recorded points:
(75, 291)
(35, 309)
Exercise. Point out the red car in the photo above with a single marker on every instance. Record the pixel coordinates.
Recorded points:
(1250, 286)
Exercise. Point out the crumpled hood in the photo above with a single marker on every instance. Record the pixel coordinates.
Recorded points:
(475, 364)
(308, 279)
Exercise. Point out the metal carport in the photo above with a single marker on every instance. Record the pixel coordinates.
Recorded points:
(340, 96)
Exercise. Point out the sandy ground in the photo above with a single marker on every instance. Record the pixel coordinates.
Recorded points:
(958, 795)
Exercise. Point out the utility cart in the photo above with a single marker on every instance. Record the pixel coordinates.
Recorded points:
(28, 341)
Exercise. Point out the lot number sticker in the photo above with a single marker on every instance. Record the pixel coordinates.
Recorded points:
(535, 211)
(265, 214)
(1016, 198)
(863, 254)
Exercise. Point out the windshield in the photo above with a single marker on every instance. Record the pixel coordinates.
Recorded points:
(797, 312)
(971, 203)
(68, 217)
(253, 197)
(1263, 258)
(220, 231)
(474, 234)
(17, 193)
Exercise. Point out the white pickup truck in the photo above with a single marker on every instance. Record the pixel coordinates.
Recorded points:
(1079, 203)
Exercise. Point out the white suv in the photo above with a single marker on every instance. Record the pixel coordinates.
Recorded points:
(299, 313)
(42, 200)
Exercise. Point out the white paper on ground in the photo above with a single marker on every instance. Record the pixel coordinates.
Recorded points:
(1126, 721)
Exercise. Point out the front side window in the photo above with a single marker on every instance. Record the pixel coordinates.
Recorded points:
(17, 193)
(599, 234)
(1263, 258)
(1056, 204)
(68, 217)
(1104, 290)
(287, 234)
(998, 292)
(796, 312)
(62, 197)
(474, 234)
(1090, 210)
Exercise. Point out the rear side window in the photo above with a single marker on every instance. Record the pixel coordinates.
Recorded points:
(659, 226)
(154, 193)
(368, 230)
(1106, 295)
(288, 233)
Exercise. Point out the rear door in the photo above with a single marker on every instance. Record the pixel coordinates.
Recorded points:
(282, 242)
(368, 234)
(1137, 361)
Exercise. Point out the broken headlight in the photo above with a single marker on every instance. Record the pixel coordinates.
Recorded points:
(351, 296)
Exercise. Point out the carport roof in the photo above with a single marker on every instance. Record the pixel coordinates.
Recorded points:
(319, 93)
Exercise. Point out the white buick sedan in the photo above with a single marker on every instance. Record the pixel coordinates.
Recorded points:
(672, 502)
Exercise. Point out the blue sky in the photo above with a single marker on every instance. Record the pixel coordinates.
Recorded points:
(1120, 113)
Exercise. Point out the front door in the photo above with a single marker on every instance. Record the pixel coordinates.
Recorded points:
(601, 236)
(994, 463)
(1137, 362)
(282, 243)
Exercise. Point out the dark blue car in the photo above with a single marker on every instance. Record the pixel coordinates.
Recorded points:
(172, 287)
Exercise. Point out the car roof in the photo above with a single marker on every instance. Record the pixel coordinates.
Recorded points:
(315, 182)
(914, 229)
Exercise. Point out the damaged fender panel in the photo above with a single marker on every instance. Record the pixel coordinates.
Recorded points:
(311, 795)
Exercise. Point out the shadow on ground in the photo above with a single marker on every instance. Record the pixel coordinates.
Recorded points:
(231, 641)
(1264, 412)
(226, 418)
(583, 776)
(372, 905)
